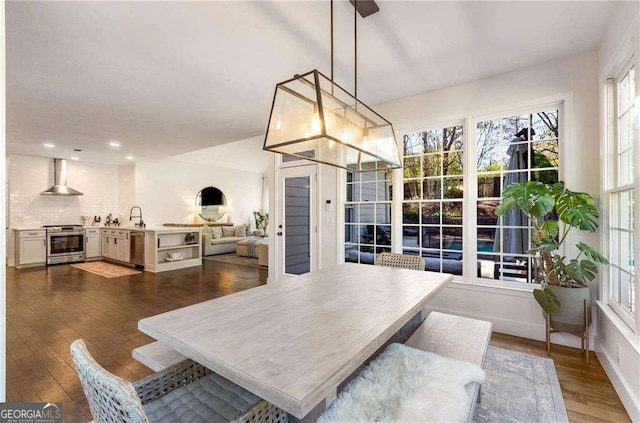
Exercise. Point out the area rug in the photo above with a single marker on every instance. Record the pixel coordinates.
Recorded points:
(520, 388)
(106, 270)
(233, 258)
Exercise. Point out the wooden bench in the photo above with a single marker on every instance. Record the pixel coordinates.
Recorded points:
(157, 356)
(455, 337)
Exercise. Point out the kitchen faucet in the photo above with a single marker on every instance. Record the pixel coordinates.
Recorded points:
(140, 224)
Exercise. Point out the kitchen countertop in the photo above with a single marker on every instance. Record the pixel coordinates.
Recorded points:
(159, 229)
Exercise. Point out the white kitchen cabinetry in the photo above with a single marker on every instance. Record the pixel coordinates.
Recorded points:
(162, 243)
(115, 244)
(31, 248)
(93, 247)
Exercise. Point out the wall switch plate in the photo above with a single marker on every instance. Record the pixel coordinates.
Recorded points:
(618, 353)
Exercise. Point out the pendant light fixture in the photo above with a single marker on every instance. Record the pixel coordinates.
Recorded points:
(314, 118)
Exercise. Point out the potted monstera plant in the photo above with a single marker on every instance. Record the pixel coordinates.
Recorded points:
(555, 211)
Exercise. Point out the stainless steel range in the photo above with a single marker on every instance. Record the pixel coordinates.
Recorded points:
(65, 243)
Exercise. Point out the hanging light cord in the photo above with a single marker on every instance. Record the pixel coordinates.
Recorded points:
(355, 49)
(332, 43)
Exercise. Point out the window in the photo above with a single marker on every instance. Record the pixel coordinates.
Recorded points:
(433, 190)
(367, 226)
(514, 149)
(621, 197)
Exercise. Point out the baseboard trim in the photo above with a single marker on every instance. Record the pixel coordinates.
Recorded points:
(521, 329)
(623, 391)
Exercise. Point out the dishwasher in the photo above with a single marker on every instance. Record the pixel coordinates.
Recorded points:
(136, 249)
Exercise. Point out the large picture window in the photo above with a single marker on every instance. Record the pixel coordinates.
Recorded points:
(367, 214)
(433, 191)
(513, 149)
(621, 196)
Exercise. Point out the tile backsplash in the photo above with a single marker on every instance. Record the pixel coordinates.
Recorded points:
(29, 176)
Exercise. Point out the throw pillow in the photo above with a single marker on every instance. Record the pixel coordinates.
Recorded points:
(228, 231)
(241, 232)
(216, 232)
(206, 229)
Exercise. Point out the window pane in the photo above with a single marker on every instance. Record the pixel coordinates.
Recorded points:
(453, 188)
(412, 168)
(367, 212)
(432, 165)
(410, 236)
(487, 212)
(412, 190)
(452, 213)
(431, 237)
(489, 185)
(545, 154)
(431, 188)
(545, 125)
(452, 163)
(383, 213)
(452, 238)
(368, 191)
(413, 144)
(411, 213)
(431, 213)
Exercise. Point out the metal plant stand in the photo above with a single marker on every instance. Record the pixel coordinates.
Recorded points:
(584, 336)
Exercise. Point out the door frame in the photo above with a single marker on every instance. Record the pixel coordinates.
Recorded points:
(307, 170)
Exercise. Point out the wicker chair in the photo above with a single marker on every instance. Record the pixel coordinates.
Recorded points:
(184, 392)
(400, 260)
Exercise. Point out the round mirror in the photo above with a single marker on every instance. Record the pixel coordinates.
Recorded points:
(211, 202)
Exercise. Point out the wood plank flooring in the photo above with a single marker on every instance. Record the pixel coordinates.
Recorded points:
(48, 308)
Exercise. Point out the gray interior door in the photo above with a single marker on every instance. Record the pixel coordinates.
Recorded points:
(297, 225)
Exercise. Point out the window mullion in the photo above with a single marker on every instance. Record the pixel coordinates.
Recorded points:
(470, 177)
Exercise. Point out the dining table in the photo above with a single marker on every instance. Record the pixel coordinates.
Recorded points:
(296, 341)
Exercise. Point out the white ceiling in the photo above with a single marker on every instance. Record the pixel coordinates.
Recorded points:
(166, 78)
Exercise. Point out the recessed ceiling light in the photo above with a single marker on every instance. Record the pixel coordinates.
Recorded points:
(74, 158)
(48, 145)
(114, 143)
(129, 157)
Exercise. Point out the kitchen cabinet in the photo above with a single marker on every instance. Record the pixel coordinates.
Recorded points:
(31, 248)
(93, 247)
(115, 244)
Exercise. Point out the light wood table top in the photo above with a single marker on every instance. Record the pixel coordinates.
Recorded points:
(294, 341)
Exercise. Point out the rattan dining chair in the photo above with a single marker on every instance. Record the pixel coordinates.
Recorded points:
(404, 261)
(184, 392)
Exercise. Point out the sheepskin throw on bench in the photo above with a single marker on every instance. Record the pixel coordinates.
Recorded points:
(405, 384)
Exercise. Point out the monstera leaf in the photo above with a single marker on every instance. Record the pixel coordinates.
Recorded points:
(582, 271)
(547, 300)
(577, 209)
(533, 198)
(592, 253)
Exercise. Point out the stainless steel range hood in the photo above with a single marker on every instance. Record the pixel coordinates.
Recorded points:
(60, 180)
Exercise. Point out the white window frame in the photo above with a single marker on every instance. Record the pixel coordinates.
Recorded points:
(473, 178)
(342, 215)
(398, 198)
(608, 188)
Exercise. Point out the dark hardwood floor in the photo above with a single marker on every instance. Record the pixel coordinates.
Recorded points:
(48, 308)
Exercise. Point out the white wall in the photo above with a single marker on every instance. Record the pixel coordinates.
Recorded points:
(29, 176)
(167, 189)
(618, 348)
(126, 191)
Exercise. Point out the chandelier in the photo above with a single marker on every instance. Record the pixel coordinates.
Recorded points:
(314, 118)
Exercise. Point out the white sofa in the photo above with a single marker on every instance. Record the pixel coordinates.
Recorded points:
(225, 244)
